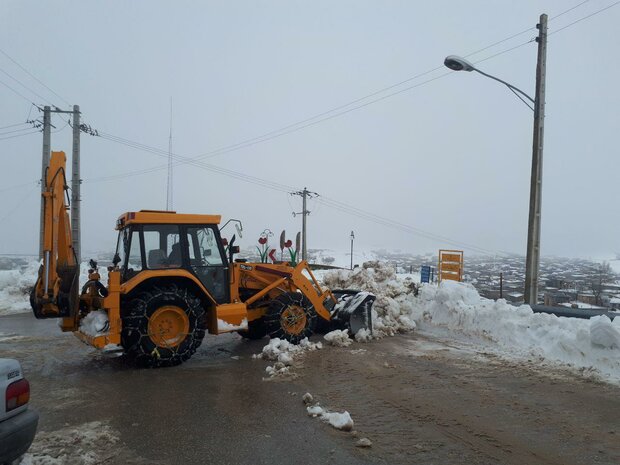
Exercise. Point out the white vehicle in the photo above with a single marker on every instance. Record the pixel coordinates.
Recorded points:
(18, 423)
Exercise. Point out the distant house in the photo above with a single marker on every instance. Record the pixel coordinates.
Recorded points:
(614, 303)
(553, 299)
(516, 297)
(586, 298)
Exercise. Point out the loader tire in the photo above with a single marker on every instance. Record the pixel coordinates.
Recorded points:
(256, 330)
(290, 316)
(162, 326)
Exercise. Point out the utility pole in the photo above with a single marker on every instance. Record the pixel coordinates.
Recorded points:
(305, 194)
(501, 285)
(75, 185)
(75, 172)
(352, 237)
(45, 162)
(533, 233)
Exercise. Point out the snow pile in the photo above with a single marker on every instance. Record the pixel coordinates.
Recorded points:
(604, 332)
(341, 421)
(283, 353)
(363, 335)
(395, 297)
(589, 345)
(16, 284)
(95, 323)
(339, 338)
(584, 344)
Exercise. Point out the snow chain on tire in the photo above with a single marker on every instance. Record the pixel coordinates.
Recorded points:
(135, 338)
(279, 306)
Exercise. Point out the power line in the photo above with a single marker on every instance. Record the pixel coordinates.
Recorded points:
(16, 186)
(20, 135)
(26, 87)
(16, 92)
(585, 17)
(13, 125)
(33, 76)
(15, 130)
(354, 211)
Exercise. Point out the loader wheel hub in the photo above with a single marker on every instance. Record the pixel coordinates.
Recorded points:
(168, 326)
(293, 320)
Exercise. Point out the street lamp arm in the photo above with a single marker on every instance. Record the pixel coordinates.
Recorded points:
(510, 86)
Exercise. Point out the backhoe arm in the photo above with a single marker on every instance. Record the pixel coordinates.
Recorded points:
(55, 293)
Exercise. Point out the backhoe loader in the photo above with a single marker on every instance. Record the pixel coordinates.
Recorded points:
(172, 279)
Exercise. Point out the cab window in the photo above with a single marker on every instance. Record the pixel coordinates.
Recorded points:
(161, 246)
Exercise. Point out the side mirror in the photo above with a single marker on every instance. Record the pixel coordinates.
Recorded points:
(234, 249)
(116, 260)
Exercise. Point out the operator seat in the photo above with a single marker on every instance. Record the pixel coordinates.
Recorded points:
(175, 258)
(157, 258)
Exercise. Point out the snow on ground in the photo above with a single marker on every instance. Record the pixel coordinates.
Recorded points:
(587, 345)
(341, 421)
(338, 338)
(283, 353)
(88, 444)
(15, 285)
(615, 265)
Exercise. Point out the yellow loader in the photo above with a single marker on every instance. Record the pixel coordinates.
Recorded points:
(174, 278)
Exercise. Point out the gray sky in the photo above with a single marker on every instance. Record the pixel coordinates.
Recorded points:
(451, 157)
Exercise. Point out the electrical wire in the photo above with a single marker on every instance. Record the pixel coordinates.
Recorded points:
(26, 87)
(354, 211)
(16, 92)
(13, 125)
(33, 76)
(16, 186)
(18, 204)
(20, 135)
(15, 130)
(584, 18)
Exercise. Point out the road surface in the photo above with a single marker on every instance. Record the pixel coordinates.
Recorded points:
(418, 398)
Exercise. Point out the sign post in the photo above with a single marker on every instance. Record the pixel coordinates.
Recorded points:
(450, 265)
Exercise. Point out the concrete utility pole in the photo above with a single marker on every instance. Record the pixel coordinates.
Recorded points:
(45, 162)
(75, 184)
(352, 237)
(533, 234)
(305, 194)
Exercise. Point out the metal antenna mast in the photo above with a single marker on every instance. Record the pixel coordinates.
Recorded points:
(169, 185)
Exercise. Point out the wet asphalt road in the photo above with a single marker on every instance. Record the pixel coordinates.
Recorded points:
(421, 399)
(212, 409)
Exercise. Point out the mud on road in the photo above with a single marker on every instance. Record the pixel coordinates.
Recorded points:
(419, 399)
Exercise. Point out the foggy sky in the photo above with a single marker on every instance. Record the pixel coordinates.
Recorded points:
(451, 157)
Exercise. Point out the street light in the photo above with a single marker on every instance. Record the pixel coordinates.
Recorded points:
(352, 237)
(532, 258)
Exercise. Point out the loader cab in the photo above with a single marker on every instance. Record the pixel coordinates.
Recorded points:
(167, 247)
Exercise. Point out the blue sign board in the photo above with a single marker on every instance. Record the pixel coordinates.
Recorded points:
(425, 274)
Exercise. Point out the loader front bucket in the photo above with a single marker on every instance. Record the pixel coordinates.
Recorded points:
(353, 310)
